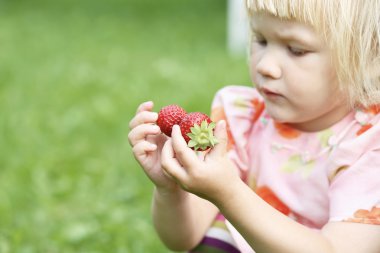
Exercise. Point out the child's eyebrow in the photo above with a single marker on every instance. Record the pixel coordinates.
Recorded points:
(290, 36)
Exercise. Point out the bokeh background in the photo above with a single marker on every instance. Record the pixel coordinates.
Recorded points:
(72, 73)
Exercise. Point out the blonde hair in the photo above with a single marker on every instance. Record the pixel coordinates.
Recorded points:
(352, 30)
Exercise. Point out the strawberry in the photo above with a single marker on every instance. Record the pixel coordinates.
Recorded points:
(169, 116)
(198, 131)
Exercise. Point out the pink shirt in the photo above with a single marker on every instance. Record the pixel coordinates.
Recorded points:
(312, 177)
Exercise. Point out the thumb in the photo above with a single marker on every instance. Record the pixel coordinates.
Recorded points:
(221, 135)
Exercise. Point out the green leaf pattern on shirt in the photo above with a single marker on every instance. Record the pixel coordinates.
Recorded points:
(296, 164)
(324, 137)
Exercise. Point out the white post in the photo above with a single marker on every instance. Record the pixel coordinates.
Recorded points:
(237, 27)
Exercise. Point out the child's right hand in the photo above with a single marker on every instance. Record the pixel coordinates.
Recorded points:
(147, 141)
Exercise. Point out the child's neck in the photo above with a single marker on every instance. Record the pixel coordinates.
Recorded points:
(324, 121)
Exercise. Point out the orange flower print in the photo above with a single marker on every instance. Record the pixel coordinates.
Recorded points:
(367, 216)
(286, 131)
(373, 109)
(258, 107)
(217, 114)
(363, 129)
(268, 196)
(254, 104)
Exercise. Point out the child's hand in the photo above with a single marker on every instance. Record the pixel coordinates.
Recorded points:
(209, 178)
(147, 141)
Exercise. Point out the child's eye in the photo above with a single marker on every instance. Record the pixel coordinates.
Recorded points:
(297, 52)
(261, 42)
(257, 38)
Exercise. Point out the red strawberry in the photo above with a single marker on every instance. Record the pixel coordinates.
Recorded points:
(198, 131)
(169, 116)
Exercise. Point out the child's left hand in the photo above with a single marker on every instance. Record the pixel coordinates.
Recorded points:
(211, 177)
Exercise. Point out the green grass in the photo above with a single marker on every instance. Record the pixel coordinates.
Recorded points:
(71, 76)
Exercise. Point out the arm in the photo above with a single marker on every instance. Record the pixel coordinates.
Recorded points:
(268, 230)
(263, 227)
(181, 218)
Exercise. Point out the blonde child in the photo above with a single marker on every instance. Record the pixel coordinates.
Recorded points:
(297, 168)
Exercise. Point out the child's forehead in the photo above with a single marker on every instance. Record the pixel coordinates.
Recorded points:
(286, 29)
(315, 23)
(305, 11)
(260, 14)
(263, 18)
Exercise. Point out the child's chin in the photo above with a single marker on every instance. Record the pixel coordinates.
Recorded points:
(279, 117)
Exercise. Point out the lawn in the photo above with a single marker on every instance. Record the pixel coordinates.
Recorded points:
(71, 76)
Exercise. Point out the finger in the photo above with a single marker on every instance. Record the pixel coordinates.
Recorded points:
(146, 106)
(183, 153)
(140, 132)
(201, 155)
(141, 149)
(170, 164)
(221, 134)
(143, 107)
(143, 118)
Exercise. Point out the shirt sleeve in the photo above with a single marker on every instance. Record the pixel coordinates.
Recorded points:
(354, 192)
(241, 107)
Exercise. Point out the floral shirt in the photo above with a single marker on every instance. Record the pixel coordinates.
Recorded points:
(312, 177)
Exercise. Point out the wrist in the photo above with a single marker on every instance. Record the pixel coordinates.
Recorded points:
(169, 193)
(234, 190)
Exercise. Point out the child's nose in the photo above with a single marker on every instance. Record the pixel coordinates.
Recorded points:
(268, 66)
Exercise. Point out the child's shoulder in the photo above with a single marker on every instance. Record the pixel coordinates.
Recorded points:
(366, 127)
(353, 173)
(240, 102)
(360, 138)
(240, 107)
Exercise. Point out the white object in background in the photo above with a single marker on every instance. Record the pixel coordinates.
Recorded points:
(237, 27)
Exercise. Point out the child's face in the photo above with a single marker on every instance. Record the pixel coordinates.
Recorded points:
(291, 67)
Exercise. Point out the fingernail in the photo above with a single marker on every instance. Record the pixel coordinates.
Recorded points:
(149, 103)
(175, 128)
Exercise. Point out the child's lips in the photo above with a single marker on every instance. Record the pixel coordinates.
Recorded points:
(269, 93)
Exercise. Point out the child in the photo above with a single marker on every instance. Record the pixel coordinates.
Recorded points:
(297, 168)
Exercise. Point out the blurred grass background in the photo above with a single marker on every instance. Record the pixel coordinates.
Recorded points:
(71, 76)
